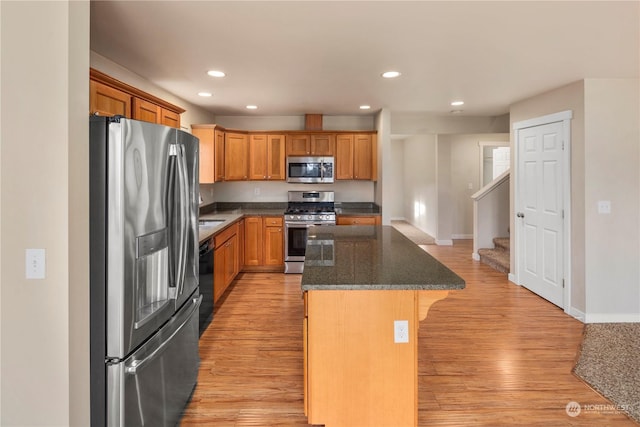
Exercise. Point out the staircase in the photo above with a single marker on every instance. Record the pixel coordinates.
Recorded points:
(499, 257)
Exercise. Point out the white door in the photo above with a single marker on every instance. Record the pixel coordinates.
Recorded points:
(539, 210)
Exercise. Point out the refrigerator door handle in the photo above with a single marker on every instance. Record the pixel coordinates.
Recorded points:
(184, 223)
(136, 364)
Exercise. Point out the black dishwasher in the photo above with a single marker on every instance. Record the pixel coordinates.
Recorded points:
(206, 283)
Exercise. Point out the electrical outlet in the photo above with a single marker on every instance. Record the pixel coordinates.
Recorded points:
(604, 207)
(256, 191)
(400, 331)
(35, 263)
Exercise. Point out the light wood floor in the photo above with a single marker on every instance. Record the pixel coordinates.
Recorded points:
(493, 354)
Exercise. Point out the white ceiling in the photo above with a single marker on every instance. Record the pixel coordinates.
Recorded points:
(296, 57)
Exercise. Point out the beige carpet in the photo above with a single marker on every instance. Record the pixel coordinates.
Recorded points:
(610, 362)
(414, 234)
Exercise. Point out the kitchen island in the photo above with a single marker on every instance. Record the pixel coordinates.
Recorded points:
(366, 288)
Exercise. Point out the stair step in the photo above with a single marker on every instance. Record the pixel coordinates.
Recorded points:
(502, 243)
(498, 258)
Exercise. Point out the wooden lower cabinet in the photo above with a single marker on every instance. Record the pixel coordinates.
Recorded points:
(263, 243)
(225, 260)
(358, 220)
(355, 374)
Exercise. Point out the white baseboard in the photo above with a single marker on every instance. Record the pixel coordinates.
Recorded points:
(512, 279)
(612, 318)
(461, 236)
(577, 314)
(475, 256)
(444, 242)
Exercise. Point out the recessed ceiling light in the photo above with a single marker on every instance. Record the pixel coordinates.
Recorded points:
(204, 94)
(457, 103)
(252, 107)
(365, 107)
(390, 74)
(216, 73)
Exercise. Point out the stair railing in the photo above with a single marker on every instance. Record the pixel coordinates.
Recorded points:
(490, 213)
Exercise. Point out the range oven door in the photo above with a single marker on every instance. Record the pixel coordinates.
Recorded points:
(295, 241)
(295, 244)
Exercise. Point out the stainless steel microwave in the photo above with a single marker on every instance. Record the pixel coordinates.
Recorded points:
(310, 170)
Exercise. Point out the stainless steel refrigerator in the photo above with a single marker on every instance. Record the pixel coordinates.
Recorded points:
(143, 273)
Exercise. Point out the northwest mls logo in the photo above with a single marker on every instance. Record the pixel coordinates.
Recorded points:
(573, 409)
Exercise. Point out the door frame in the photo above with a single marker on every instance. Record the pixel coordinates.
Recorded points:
(564, 117)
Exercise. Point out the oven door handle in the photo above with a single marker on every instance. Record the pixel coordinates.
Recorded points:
(305, 224)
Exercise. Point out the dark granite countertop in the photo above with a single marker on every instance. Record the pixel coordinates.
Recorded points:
(371, 257)
(230, 213)
(357, 208)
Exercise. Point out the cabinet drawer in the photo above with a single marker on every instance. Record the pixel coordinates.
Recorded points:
(356, 220)
(225, 234)
(275, 221)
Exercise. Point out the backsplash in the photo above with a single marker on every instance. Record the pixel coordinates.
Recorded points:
(276, 191)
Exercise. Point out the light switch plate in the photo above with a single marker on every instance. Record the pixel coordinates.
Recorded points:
(35, 263)
(604, 206)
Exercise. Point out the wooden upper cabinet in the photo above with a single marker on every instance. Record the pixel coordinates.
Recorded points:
(110, 97)
(258, 157)
(107, 101)
(322, 145)
(207, 154)
(211, 152)
(170, 118)
(356, 156)
(276, 168)
(310, 144)
(363, 157)
(236, 156)
(344, 156)
(146, 111)
(266, 157)
(219, 137)
(298, 145)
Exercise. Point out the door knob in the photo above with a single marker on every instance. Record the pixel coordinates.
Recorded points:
(520, 215)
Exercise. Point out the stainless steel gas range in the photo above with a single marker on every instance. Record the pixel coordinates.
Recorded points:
(306, 209)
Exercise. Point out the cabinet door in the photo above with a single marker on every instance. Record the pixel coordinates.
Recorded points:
(344, 156)
(219, 272)
(107, 101)
(258, 157)
(322, 145)
(253, 241)
(276, 168)
(273, 241)
(298, 145)
(207, 154)
(362, 157)
(241, 241)
(231, 260)
(236, 157)
(219, 155)
(146, 111)
(169, 118)
(357, 220)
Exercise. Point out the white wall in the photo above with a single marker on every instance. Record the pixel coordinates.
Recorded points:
(612, 164)
(420, 196)
(276, 191)
(465, 173)
(44, 204)
(253, 122)
(394, 178)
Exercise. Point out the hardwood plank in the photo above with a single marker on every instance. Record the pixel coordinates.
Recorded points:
(493, 354)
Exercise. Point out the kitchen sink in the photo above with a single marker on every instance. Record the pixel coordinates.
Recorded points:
(210, 223)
